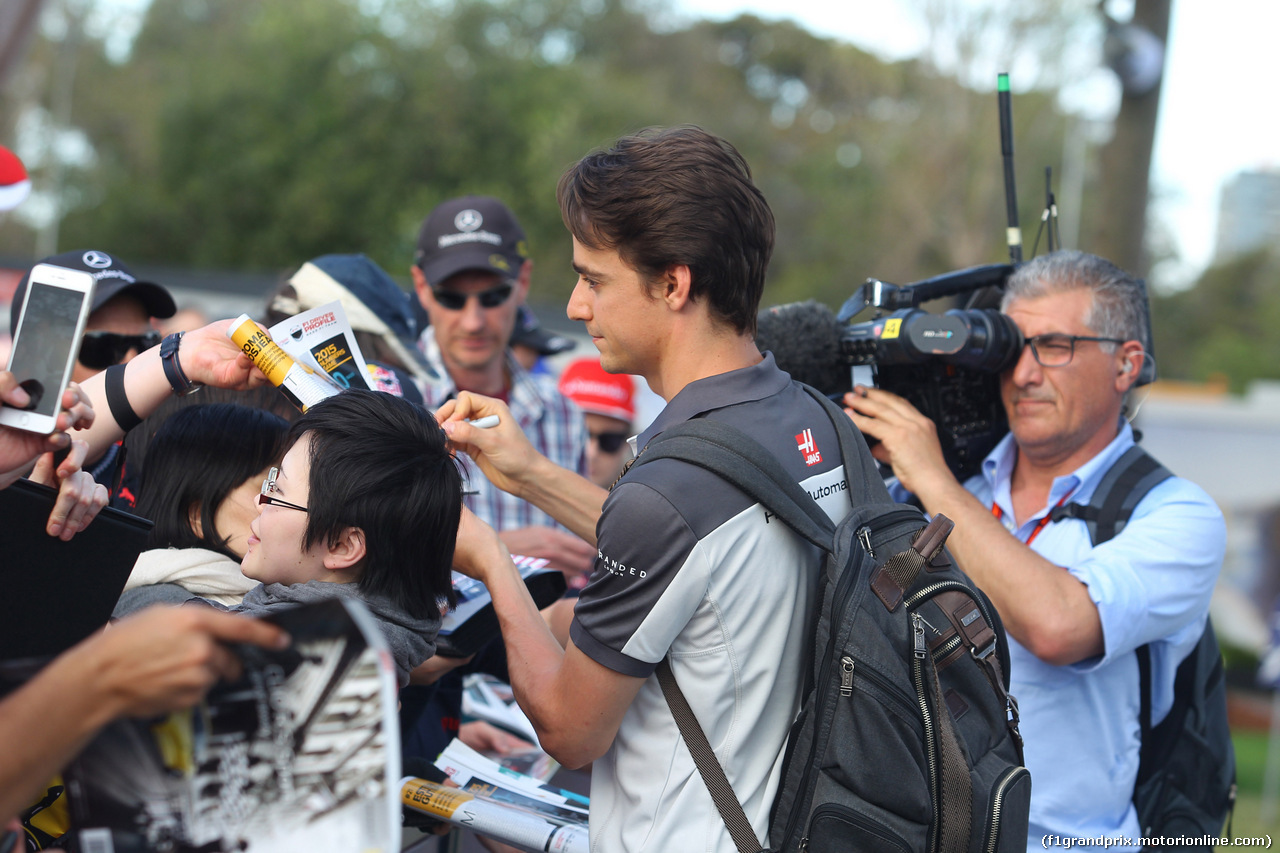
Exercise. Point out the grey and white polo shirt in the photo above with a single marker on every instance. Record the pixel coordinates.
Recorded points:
(690, 567)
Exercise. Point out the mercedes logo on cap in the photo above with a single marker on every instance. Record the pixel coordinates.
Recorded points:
(97, 260)
(468, 220)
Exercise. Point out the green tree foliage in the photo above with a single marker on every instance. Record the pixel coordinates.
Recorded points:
(1224, 325)
(250, 135)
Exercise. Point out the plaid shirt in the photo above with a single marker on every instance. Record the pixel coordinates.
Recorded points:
(552, 424)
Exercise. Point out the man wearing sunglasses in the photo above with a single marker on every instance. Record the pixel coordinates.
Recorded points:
(471, 274)
(118, 328)
(1075, 613)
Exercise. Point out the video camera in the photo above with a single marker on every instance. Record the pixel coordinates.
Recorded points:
(947, 365)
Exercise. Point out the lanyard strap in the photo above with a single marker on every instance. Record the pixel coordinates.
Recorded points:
(1048, 516)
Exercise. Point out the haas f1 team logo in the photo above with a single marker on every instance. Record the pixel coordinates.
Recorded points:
(804, 441)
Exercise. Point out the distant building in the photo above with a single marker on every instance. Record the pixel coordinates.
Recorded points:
(1226, 445)
(1248, 214)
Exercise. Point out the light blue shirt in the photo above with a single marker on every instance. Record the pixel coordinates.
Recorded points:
(1151, 584)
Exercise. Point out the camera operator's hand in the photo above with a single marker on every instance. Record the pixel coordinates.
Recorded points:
(907, 439)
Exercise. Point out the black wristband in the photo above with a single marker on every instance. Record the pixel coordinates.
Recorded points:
(178, 381)
(118, 399)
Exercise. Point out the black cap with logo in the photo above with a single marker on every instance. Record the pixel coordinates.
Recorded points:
(529, 333)
(472, 232)
(112, 278)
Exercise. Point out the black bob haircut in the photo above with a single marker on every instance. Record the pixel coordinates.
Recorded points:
(196, 458)
(382, 464)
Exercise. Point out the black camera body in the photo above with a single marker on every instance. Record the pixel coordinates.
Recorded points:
(947, 365)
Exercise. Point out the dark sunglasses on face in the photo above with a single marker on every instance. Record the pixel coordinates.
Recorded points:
(453, 300)
(100, 350)
(610, 442)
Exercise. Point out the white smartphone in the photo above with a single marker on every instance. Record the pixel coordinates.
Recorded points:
(53, 314)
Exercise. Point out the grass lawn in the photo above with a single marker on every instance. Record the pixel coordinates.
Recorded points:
(1251, 760)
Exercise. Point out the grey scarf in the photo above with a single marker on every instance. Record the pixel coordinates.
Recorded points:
(411, 640)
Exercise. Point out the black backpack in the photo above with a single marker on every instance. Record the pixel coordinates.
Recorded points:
(907, 739)
(1186, 782)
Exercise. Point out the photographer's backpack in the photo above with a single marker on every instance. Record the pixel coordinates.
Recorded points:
(907, 739)
(1186, 782)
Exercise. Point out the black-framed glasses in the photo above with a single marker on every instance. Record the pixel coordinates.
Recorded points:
(100, 350)
(453, 300)
(1057, 350)
(269, 486)
(610, 442)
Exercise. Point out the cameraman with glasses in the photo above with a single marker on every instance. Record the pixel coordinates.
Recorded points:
(1075, 613)
(119, 327)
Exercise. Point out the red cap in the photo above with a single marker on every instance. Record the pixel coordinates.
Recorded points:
(610, 394)
(14, 182)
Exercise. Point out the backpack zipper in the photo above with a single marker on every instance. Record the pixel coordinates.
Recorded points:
(932, 589)
(846, 676)
(899, 696)
(941, 652)
(861, 825)
(997, 804)
(864, 536)
(888, 520)
(920, 652)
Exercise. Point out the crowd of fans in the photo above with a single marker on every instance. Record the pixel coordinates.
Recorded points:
(231, 476)
(377, 495)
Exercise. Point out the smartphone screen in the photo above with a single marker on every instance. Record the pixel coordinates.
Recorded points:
(47, 333)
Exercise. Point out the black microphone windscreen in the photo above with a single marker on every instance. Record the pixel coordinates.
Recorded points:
(804, 338)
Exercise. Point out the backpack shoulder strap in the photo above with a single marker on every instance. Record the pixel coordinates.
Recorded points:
(1126, 482)
(758, 473)
(739, 459)
(704, 758)
(860, 467)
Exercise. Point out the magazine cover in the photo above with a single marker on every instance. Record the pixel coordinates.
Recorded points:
(526, 828)
(487, 698)
(477, 774)
(473, 623)
(321, 338)
(301, 754)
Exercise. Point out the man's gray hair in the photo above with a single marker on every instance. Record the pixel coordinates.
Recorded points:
(1119, 299)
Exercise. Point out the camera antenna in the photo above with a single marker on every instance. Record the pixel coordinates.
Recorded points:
(1049, 217)
(1013, 232)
